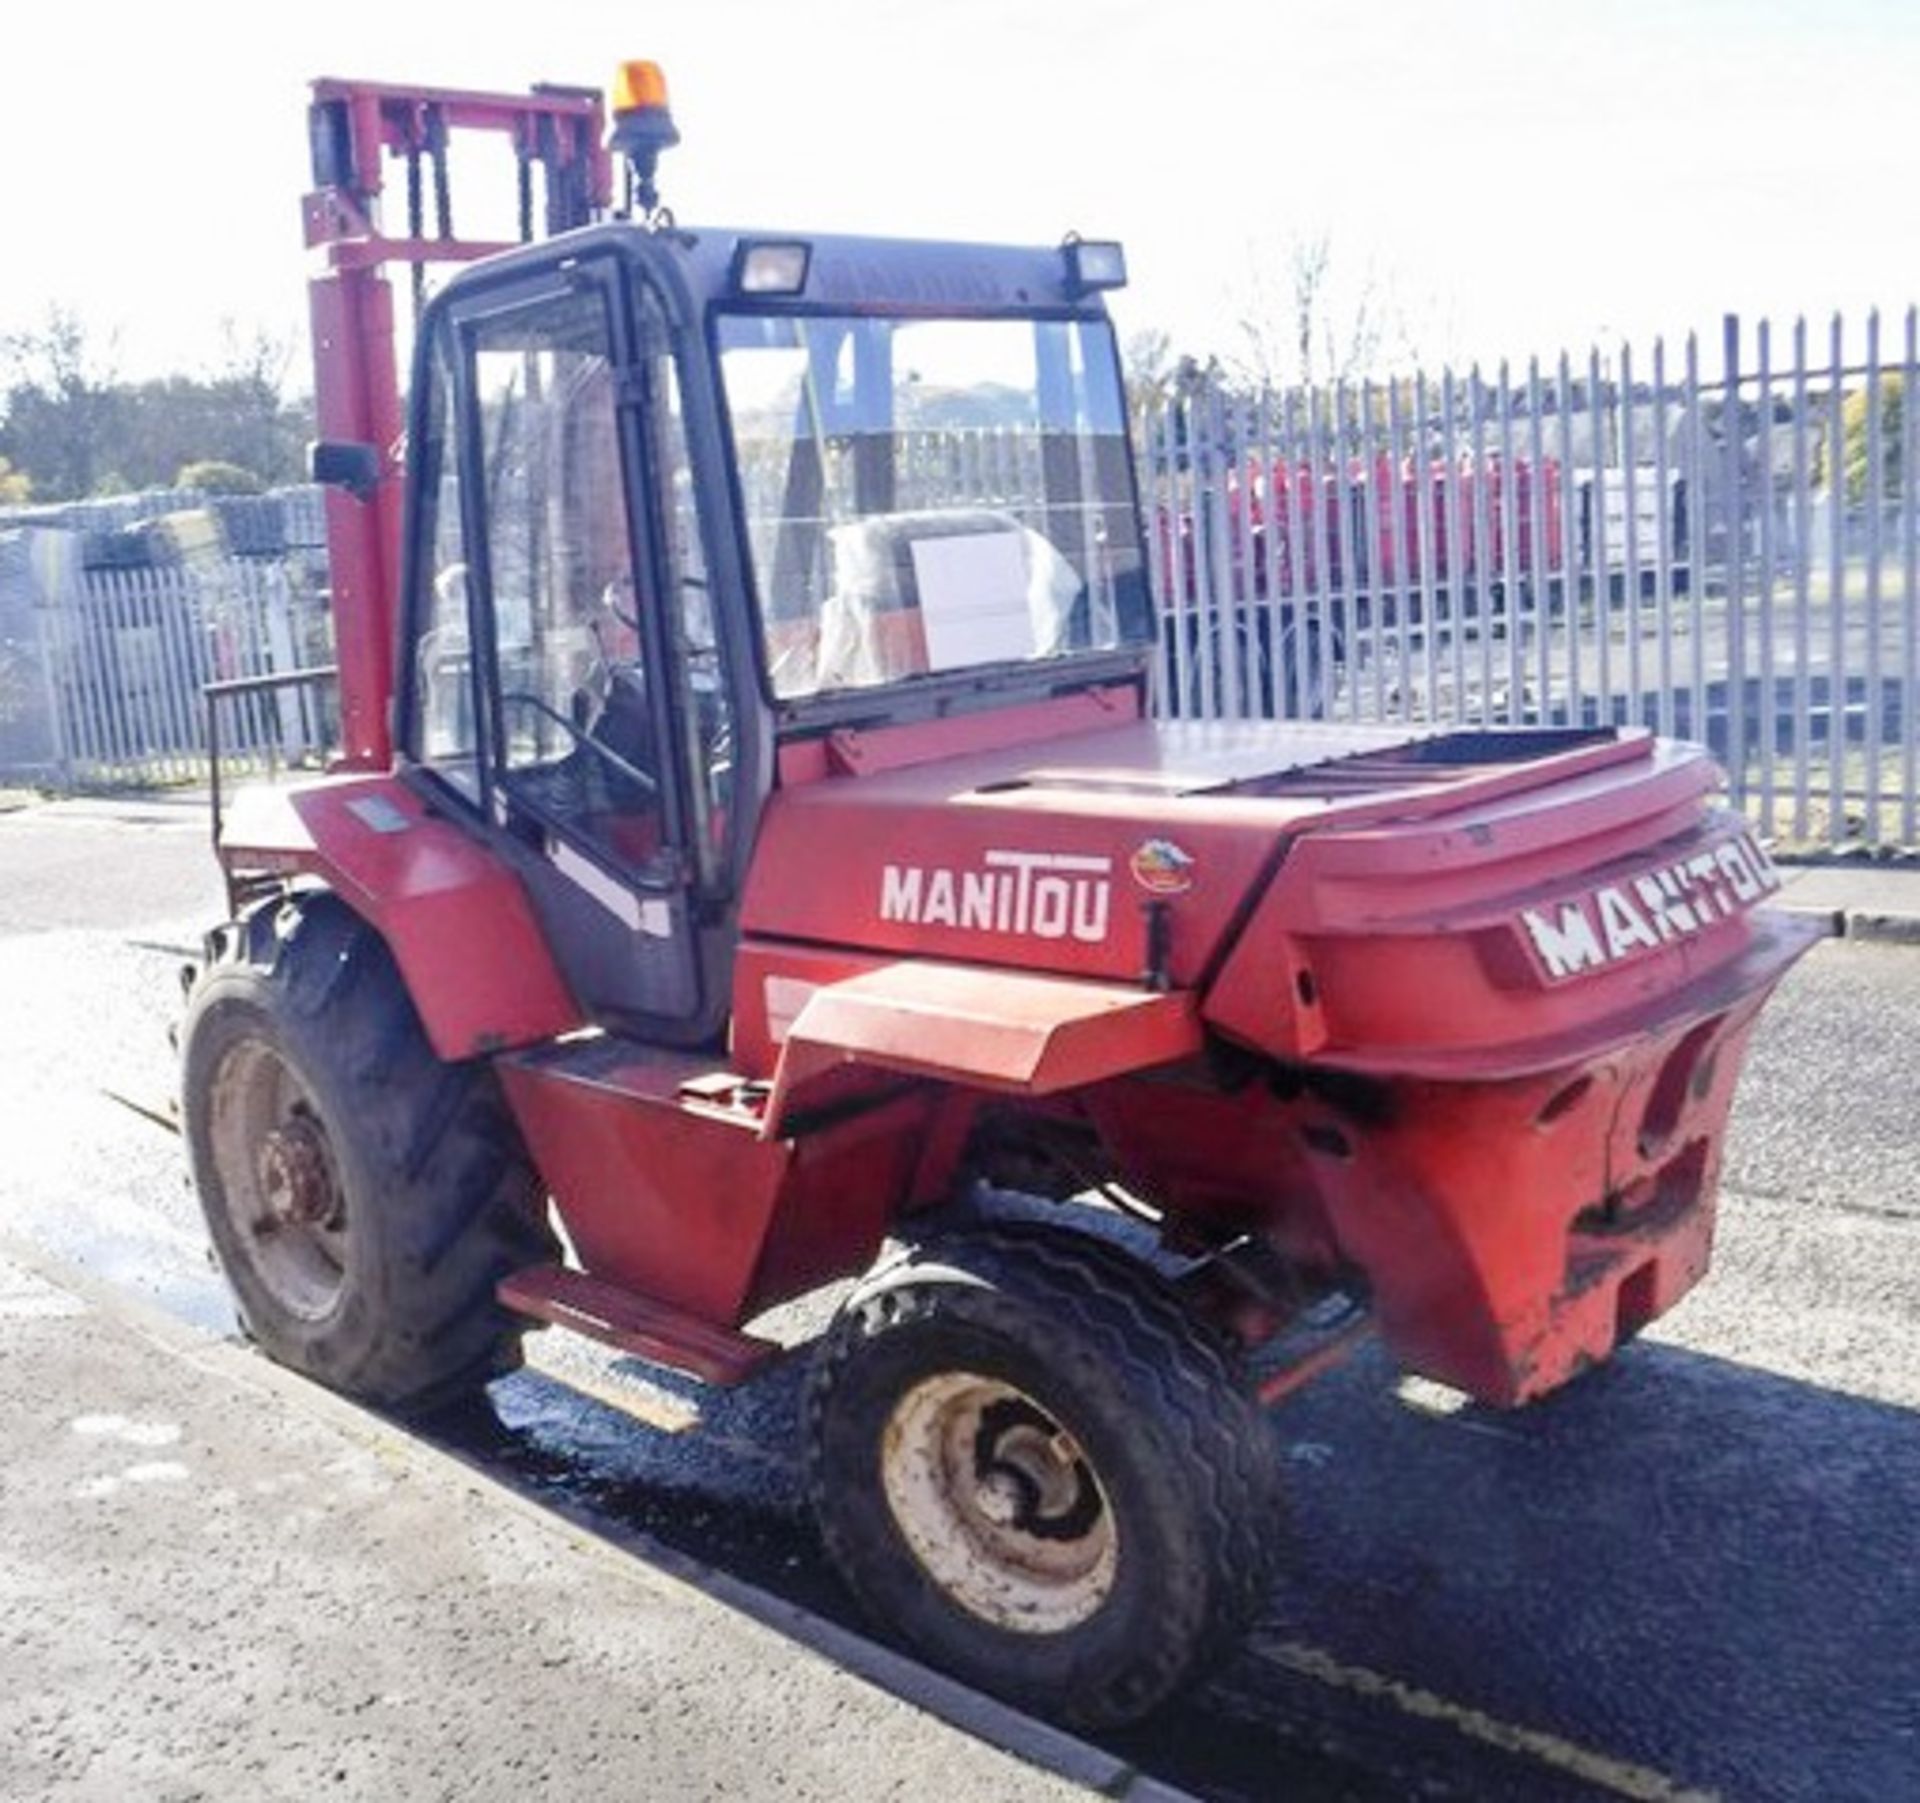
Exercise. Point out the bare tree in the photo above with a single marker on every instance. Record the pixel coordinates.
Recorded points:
(61, 355)
(1304, 320)
(1149, 366)
(253, 354)
(60, 418)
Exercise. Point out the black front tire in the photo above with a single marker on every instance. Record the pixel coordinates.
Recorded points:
(364, 1198)
(1032, 1461)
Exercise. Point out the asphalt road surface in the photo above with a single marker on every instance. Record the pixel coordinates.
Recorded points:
(1697, 1572)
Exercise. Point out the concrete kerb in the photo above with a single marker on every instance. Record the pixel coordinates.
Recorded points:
(1860, 898)
(999, 1725)
(1890, 929)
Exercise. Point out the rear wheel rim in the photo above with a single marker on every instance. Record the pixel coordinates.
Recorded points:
(999, 1504)
(278, 1179)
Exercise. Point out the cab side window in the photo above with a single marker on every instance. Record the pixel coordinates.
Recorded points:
(576, 722)
(445, 731)
(705, 710)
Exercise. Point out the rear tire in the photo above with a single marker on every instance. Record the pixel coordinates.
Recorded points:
(363, 1197)
(1033, 1462)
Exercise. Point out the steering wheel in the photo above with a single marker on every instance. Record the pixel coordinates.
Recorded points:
(582, 739)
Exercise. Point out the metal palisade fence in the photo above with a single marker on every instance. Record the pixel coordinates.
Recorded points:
(115, 617)
(1611, 540)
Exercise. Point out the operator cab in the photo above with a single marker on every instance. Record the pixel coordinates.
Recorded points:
(680, 497)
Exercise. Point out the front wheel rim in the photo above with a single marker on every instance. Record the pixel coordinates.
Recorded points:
(278, 1179)
(999, 1504)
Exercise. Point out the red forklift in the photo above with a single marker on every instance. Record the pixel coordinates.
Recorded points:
(755, 854)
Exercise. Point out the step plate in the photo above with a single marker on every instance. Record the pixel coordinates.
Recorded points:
(651, 1330)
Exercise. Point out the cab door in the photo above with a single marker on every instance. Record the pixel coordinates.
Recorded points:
(603, 750)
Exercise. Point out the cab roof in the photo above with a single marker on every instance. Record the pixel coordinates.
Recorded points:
(903, 275)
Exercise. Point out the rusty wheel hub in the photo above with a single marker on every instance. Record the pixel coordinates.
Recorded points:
(280, 1186)
(296, 1175)
(999, 1504)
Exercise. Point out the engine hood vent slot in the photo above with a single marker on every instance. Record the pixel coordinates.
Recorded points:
(1423, 763)
(1421, 760)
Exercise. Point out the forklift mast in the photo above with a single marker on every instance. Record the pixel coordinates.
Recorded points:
(354, 127)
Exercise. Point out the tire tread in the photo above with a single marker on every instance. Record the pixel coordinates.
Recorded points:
(1110, 1314)
(458, 1200)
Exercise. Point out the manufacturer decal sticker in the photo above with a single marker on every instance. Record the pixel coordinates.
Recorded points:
(1161, 868)
(1051, 895)
(1643, 913)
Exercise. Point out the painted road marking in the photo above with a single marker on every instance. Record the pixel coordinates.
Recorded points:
(1617, 1775)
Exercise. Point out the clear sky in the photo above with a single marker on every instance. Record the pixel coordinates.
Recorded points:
(1520, 177)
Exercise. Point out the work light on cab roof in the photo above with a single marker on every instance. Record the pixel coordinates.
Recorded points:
(642, 128)
(1094, 265)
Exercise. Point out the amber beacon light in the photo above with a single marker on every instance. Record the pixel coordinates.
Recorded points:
(639, 86)
(642, 126)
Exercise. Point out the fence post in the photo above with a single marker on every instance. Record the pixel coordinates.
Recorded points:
(1766, 710)
(50, 680)
(1872, 673)
(1803, 551)
(1836, 585)
(1909, 588)
(1599, 535)
(1735, 571)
